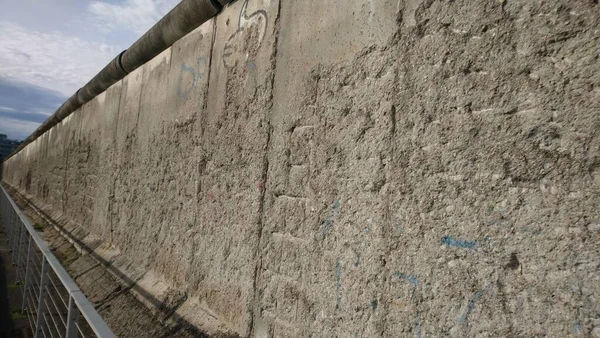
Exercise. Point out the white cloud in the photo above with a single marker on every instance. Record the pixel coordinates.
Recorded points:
(16, 129)
(8, 109)
(53, 60)
(36, 112)
(135, 15)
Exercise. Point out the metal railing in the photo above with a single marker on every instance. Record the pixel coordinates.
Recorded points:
(52, 302)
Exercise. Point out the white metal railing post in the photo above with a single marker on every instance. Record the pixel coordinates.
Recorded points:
(72, 318)
(27, 281)
(41, 308)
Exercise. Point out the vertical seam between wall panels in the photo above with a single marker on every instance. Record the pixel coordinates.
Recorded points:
(137, 116)
(112, 197)
(212, 47)
(258, 256)
(388, 207)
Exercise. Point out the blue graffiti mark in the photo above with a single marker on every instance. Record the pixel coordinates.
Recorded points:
(374, 304)
(338, 272)
(251, 65)
(471, 305)
(336, 205)
(190, 70)
(409, 278)
(327, 223)
(196, 74)
(417, 324)
(451, 241)
(577, 329)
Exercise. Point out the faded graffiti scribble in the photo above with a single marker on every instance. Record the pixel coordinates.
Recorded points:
(329, 220)
(470, 306)
(411, 279)
(236, 44)
(451, 241)
(196, 72)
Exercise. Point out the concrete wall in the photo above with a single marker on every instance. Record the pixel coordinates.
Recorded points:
(355, 168)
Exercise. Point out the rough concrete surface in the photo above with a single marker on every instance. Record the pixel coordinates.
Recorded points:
(363, 168)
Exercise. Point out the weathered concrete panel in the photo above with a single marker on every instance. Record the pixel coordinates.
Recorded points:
(124, 228)
(323, 244)
(76, 156)
(379, 159)
(234, 137)
(106, 115)
(57, 143)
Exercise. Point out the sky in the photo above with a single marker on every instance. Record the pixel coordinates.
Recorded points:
(51, 48)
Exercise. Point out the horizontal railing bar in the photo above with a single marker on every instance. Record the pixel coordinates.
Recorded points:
(34, 282)
(31, 309)
(58, 311)
(43, 331)
(56, 326)
(79, 329)
(59, 295)
(48, 325)
(37, 258)
(35, 291)
(30, 320)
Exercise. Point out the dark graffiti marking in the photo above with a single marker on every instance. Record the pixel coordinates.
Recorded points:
(232, 52)
(338, 273)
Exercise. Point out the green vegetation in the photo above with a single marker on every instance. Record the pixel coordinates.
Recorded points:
(18, 314)
(38, 226)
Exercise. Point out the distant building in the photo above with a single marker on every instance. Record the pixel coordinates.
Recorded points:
(7, 146)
